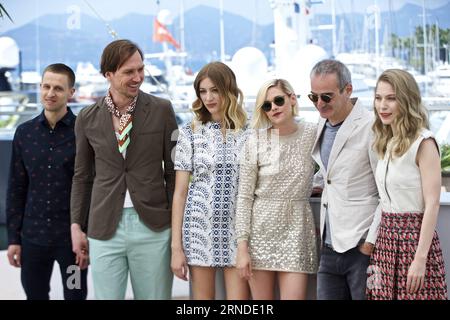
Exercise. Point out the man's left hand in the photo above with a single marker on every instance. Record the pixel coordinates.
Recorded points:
(366, 248)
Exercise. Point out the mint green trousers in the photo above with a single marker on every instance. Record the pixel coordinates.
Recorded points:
(134, 250)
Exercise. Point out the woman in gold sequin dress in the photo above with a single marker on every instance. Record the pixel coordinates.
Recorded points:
(274, 222)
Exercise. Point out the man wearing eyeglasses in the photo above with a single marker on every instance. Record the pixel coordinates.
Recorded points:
(350, 211)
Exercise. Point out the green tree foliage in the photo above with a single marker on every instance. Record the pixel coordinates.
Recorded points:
(411, 48)
(445, 157)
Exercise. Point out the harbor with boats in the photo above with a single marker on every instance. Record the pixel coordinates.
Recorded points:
(291, 54)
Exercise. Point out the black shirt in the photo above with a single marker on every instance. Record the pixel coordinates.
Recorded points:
(40, 180)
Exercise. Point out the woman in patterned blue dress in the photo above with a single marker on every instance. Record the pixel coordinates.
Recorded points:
(207, 164)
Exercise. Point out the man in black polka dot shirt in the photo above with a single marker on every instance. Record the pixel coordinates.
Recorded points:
(38, 197)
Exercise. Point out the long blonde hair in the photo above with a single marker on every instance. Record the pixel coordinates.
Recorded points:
(233, 113)
(259, 117)
(412, 116)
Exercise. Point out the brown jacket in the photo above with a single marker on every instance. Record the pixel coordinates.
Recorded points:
(102, 175)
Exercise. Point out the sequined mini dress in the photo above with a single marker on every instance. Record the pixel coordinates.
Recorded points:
(273, 211)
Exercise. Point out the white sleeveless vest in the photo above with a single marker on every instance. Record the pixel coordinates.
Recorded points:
(399, 182)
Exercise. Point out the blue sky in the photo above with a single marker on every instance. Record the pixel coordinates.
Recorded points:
(24, 11)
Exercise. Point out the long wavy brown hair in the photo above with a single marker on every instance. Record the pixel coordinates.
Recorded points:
(411, 119)
(233, 113)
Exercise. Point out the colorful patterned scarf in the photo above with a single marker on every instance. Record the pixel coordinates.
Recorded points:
(125, 121)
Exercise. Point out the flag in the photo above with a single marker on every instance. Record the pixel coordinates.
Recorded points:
(161, 34)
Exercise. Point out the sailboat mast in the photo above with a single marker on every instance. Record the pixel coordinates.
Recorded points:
(255, 18)
(438, 42)
(222, 33)
(377, 37)
(38, 49)
(333, 22)
(182, 43)
(425, 40)
(425, 44)
(354, 42)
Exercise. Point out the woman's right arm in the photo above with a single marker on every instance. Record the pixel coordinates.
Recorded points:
(248, 175)
(179, 264)
(183, 163)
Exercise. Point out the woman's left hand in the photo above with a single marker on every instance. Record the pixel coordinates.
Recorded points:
(416, 275)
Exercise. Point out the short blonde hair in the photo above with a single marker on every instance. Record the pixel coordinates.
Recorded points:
(259, 117)
(412, 117)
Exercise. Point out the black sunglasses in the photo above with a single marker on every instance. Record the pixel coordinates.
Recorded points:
(267, 105)
(325, 97)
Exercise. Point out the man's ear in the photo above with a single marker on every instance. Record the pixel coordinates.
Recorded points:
(349, 89)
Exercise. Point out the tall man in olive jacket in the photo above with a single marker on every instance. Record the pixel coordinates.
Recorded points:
(124, 181)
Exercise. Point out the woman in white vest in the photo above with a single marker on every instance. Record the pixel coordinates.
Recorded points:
(407, 261)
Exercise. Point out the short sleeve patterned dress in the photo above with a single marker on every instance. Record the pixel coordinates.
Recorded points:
(208, 231)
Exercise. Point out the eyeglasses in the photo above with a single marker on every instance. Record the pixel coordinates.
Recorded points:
(325, 97)
(267, 105)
